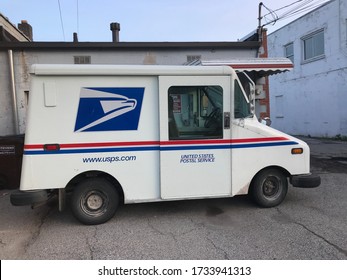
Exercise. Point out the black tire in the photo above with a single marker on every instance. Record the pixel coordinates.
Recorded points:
(94, 201)
(269, 187)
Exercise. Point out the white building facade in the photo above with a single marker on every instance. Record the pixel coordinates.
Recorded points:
(312, 98)
(19, 57)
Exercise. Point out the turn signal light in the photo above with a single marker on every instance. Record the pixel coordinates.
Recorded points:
(297, 151)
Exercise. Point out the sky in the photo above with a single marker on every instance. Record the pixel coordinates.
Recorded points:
(144, 20)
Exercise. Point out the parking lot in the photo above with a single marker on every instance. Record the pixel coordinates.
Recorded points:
(309, 224)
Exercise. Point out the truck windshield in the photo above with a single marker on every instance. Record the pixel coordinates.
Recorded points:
(241, 104)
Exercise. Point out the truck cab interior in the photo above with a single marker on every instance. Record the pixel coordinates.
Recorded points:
(195, 112)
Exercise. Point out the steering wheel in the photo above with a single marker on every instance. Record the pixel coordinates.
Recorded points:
(213, 119)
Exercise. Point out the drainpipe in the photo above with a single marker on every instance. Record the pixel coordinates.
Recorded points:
(13, 93)
(342, 42)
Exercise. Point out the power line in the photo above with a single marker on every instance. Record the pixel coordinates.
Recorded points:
(304, 9)
(285, 14)
(285, 6)
(61, 20)
(272, 13)
(301, 6)
(78, 23)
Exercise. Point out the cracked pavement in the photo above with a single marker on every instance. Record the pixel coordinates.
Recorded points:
(309, 224)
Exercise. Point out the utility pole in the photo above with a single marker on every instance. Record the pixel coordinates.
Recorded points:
(259, 21)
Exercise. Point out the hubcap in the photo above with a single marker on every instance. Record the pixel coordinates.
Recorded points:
(94, 202)
(271, 186)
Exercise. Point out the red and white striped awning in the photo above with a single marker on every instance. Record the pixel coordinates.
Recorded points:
(264, 66)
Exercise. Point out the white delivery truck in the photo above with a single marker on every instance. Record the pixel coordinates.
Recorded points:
(106, 135)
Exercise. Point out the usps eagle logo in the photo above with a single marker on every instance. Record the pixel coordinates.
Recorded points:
(108, 109)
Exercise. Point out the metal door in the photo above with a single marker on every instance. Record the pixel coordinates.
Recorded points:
(195, 155)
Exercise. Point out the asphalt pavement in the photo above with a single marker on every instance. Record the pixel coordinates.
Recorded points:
(327, 155)
(309, 224)
(327, 148)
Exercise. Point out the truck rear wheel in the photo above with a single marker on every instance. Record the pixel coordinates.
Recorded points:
(94, 201)
(269, 187)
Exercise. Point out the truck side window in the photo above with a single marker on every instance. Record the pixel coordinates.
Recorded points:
(195, 112)
(241, 105)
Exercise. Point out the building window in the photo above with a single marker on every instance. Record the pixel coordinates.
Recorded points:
(313, 46)
(82, 59)
(279, 106)
(192, 58)
(289, 51)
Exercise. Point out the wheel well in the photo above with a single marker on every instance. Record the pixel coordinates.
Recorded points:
(95, 173)
(279, 168)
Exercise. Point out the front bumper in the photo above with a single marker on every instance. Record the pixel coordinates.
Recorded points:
(21, 198)
(305, 181)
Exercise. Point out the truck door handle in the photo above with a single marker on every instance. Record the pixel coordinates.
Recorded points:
(226, 120)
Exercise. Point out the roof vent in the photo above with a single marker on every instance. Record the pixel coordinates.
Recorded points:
(115, 28)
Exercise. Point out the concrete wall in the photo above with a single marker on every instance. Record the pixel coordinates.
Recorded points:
(6, 114)
(24, 59)
(312, 99)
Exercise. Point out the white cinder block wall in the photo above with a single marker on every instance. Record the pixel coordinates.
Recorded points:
(312, 98)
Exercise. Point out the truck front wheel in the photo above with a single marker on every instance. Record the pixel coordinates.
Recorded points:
(269, 187)
(94, 201)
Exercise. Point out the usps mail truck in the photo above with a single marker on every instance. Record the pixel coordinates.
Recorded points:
(101, 136)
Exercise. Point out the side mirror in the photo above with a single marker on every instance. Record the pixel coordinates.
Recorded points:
(252, 98)
(266, 121)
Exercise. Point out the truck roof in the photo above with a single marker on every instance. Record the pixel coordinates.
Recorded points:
(126, 70)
